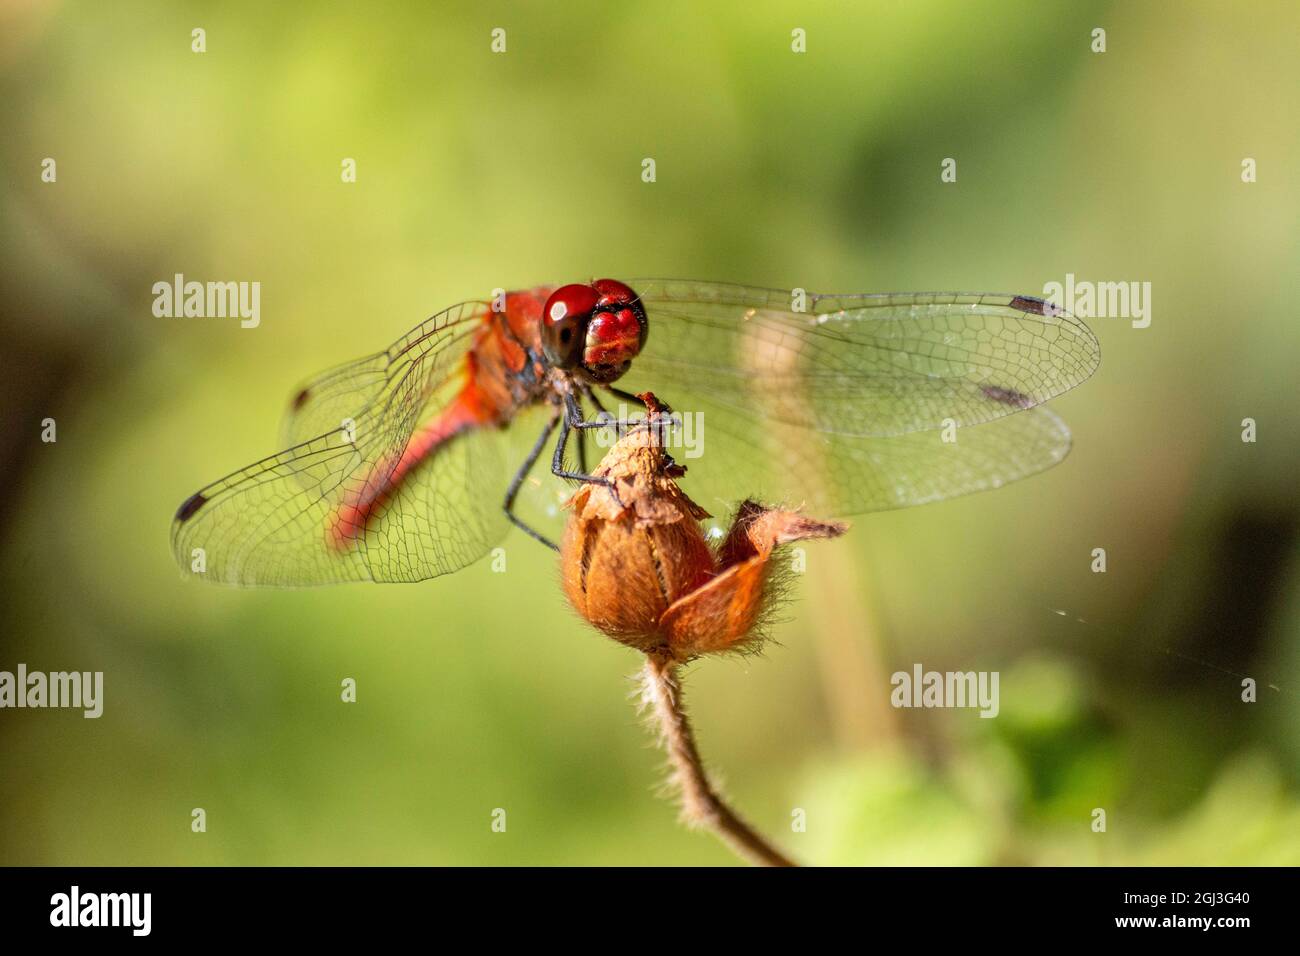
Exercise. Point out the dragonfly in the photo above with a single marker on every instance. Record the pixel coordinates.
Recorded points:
(414, 461)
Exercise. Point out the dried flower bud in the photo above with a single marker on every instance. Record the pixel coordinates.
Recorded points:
(636, 564)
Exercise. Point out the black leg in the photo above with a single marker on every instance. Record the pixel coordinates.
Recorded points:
(557, 459)
(575, 419)
(634, 400)
(599, 414)
(517, 481)
(591, 397)
(582, 442)
(572, 419)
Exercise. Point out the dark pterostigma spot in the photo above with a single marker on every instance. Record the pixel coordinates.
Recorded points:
(190, 505)
(1034, 305)
(1007, 396)
(300, 399)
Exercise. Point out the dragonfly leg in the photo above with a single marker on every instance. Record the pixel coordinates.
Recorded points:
(623, 394)
(603, 418)
(572, 419)
(582, 443)
(634, 400)
(508, 505)
(624, 425)
(602, 414)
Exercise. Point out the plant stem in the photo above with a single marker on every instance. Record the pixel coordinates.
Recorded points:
(661, 693)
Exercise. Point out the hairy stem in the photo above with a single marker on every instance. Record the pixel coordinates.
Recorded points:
(661, 693)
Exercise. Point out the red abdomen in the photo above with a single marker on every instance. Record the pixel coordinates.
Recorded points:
(498, 382)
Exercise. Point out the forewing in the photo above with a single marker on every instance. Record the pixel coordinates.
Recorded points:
(857, 403)
(269, 524)
(333, 398)
(867, 365)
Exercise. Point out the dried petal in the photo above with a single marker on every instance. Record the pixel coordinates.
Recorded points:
(726, 614)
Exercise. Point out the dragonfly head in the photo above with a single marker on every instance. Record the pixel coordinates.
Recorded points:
(597, 329)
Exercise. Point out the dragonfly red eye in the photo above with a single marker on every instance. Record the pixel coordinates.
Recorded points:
(564, 324)
(617, 332)
(613, 340)
(599, 327)
(613, 292)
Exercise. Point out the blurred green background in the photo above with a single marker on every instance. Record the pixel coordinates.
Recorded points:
(476, 170)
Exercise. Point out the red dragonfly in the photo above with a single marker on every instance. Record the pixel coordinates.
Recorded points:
(407, 464)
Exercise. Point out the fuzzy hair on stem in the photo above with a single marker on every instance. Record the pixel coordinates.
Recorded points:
(661, 697)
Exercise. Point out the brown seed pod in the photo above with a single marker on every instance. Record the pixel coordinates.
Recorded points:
(636, 564)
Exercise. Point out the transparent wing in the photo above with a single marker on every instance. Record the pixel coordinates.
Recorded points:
(326, 401)
(269, 524)
(861, 364)
(846, 406)
(833, 474)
